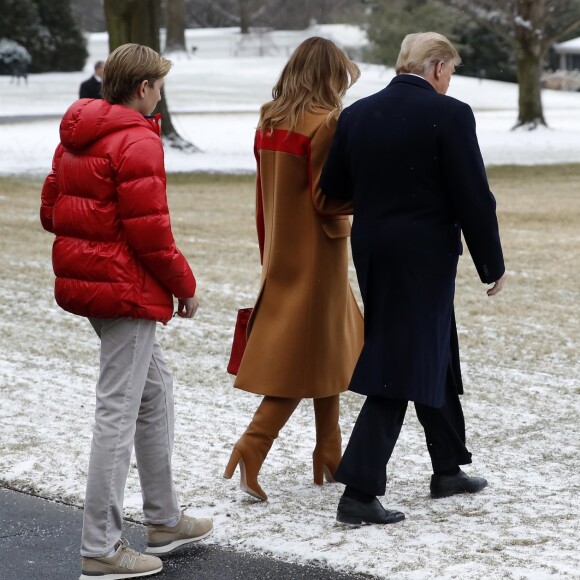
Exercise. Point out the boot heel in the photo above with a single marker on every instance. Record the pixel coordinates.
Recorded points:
(321, 472)
(252, 488)
(350, 520)
(235, 458)
(318, 471)
(328, 475)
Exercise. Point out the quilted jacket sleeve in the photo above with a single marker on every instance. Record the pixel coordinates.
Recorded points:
(141, 187)
(50, 192)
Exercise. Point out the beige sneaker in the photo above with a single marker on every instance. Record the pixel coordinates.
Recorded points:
(124, 563)
(163, 539)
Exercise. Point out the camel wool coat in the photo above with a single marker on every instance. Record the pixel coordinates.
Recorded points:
(306, 330)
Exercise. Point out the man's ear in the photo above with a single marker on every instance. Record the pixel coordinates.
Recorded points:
(438, 69)
(140, 92)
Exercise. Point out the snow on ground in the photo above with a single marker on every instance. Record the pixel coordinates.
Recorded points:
(521, 403)
(524, 526)
(215, 97)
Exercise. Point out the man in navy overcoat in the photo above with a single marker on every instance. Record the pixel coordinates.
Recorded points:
(409, 160)
(91, 88)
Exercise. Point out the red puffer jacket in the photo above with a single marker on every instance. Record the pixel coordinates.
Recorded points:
(105, 199)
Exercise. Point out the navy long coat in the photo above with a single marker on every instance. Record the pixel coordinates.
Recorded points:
(409, 159)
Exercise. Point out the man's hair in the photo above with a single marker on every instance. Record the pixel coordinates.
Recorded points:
(127, 67)
(422, 49)
(99, 64)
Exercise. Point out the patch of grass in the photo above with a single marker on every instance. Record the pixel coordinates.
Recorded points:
(528, 542)
(517, 173)
(205, 179)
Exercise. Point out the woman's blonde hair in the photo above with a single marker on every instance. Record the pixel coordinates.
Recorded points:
(422, 49)
(317, 75)
(127, 67)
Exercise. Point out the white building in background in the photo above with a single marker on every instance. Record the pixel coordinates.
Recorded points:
(569, 53)
(567, 75)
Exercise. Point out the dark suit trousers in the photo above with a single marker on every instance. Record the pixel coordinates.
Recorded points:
(363, 465)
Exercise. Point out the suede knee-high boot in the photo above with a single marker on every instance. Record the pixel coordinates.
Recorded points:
(328, 451)
(253, 446)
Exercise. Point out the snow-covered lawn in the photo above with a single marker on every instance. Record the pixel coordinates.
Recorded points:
(520, 350)
(521, 403)
(215, 97)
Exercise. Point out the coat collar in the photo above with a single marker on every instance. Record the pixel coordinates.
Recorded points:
(412, 80)
(155, 122)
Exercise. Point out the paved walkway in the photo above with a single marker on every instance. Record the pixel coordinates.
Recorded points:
(39, 541)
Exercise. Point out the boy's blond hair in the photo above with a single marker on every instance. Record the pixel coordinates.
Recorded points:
(422, 49)
(128, 66)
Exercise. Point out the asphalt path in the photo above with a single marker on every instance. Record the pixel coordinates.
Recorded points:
(39, 540)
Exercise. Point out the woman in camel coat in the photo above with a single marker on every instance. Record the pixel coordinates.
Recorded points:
(306, 329)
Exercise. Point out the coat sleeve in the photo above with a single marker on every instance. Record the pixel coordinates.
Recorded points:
(335, 180)
(317, 155)
(473, 201)
(141, 187)
(50, 192)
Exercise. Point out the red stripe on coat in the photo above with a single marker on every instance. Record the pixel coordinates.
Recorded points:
(260, 226)
(283, 141)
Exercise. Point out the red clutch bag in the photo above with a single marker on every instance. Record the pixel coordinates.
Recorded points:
(239, 342)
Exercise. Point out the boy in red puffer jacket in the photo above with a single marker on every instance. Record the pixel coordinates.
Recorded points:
(117, 264)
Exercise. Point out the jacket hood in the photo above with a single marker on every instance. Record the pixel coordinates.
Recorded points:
(88, 120)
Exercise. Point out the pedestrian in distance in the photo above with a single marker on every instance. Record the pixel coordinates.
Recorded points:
(116, 263)
(19, 71)
(408, 159)
(91, 88)
(305, 332)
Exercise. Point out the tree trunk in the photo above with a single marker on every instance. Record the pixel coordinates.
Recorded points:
(133, 21)
(244, 17)
(138, 21)
(529, 70)
(530, 52)
(175, 26)
(526, 25)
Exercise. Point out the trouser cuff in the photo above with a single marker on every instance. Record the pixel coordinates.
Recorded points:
(447, 463)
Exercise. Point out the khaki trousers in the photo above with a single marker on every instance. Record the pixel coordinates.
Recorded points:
(134, 406)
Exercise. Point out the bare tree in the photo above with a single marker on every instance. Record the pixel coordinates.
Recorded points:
(205, 14)
(531, 27)
(242, 13)
(175, 25)
(138, 21)
(89, 14)
(279, 14)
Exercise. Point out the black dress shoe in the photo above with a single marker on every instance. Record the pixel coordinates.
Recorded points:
(352, 511)
(446, 485)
